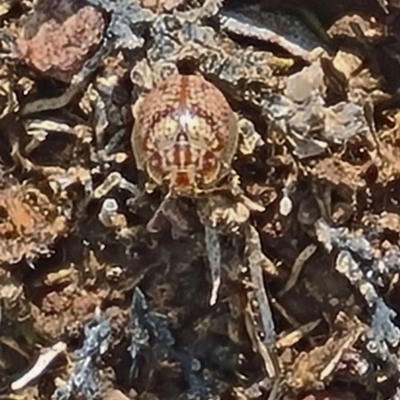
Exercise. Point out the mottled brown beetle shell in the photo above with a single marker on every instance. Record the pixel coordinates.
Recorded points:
(185, 134)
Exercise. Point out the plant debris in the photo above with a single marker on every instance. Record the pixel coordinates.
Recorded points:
(199, 199)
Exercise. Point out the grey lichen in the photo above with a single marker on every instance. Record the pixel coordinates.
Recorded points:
(84, 380)
(357, 262)
(128, 21)
(302, 115)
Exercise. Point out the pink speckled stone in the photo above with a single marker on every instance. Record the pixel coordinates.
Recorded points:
(60, 36)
